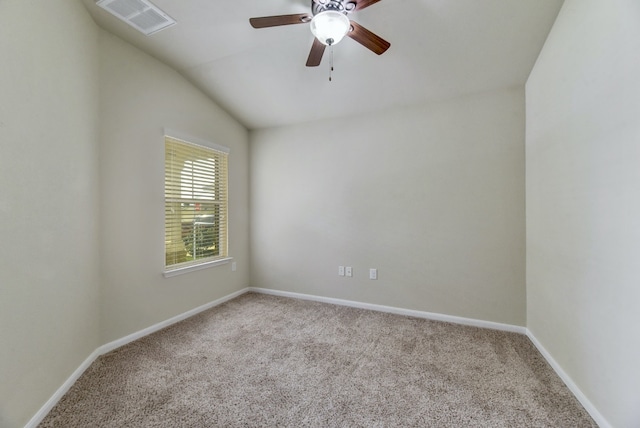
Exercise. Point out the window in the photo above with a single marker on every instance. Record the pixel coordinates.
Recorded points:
(195, 193)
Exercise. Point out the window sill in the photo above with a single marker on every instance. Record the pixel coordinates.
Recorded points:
(187, 269)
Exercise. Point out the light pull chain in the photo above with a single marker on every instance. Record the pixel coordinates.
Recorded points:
(331, 63)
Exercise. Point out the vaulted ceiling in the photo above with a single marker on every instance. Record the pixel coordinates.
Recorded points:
(439, 49)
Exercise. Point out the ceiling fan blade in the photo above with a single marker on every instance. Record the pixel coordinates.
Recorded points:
(274, 21)
(367, 39)
(361, 4)
(315, 56)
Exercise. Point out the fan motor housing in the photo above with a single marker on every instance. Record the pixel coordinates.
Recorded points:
(343, 6)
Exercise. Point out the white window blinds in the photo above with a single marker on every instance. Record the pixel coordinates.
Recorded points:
(195, 204)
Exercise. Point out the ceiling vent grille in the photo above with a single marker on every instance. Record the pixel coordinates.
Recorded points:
(140, 14)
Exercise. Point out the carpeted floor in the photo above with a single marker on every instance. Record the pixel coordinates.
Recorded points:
(264, 361)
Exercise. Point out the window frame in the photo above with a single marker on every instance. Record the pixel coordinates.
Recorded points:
(204, 263)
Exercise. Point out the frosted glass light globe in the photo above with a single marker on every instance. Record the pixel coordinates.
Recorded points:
(330, 26)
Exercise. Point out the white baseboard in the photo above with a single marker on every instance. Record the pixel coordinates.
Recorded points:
(399, 311)
(589, 407)
(44, 410)
(159, 326)
(586, 403)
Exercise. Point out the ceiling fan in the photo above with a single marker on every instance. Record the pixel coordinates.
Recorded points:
(329, 24)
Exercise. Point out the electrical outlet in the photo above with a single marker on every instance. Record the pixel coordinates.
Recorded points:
(373, 273)
(341, 270)
(233, 266)
(348, 271)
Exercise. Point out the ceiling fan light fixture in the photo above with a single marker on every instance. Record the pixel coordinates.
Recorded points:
(330, 26)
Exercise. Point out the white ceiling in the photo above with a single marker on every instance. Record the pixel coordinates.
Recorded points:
(439, 49)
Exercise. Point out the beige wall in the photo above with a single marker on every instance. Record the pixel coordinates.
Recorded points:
(82, 174)
(432, 196)
(48, 200)
(139, 97)
(583, 202)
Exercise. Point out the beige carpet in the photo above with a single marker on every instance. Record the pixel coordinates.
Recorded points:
(264, 361)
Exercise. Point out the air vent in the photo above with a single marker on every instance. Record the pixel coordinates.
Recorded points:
(140, 14)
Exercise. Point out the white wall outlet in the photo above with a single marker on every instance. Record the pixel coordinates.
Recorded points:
(348, 271)
(234, 266)
(373, 273)
(341, 270)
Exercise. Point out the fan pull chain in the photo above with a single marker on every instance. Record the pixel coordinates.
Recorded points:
(331, 63)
